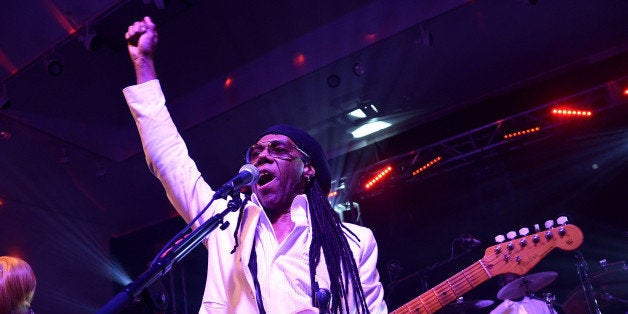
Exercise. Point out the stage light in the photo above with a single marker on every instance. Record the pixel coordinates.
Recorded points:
(358, 113)
(228, 82)
(90, 40)
(378, 177)
(365, 109)
(370, 128)
(571, 112)
(522, 132)
(53, 64)
(625, 91)
(358, 69)
(370, 37)
(333, 81)
(299, 60)
(427, 165)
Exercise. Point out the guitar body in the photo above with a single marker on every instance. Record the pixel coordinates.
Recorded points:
(516, 256)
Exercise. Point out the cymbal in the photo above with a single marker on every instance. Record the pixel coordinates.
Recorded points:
(462, 306)
(526, 285)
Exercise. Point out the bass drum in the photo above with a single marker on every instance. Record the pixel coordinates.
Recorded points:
(611, 291)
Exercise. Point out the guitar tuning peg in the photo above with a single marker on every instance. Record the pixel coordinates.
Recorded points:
(549, 224)
(511, 235)
(500, 238)
(537, 228)
(562, 220)
(524, 231)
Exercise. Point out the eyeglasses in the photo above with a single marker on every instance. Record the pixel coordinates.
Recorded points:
(276, 149)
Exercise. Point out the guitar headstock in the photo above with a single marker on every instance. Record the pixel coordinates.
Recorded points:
(519, 255)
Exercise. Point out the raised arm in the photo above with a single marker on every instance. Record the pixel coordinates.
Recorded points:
(166, 153)
(142, 39)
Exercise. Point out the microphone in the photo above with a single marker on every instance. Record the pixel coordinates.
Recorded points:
(469, 242)
(248, 175)
(323, 296)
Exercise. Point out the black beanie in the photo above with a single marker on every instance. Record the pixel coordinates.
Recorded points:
(309, 145)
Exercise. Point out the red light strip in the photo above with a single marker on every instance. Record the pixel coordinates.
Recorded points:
(378, 177)
(518, 133)
(572, 112)
(427, 165)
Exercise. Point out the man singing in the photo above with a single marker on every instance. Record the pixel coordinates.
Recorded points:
(287, 250)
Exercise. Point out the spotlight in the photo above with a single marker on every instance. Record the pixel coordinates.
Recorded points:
(53, 64)
(369, 128)
(91, 40)
(358, 69)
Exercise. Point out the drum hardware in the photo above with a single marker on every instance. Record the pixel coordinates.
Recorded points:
(462, 306)
(589, 294)
(526, 285)
(610, 288)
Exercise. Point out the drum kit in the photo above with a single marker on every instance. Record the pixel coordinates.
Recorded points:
(609, 286)
(524, 286)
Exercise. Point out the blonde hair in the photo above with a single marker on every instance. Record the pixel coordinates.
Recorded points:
(17, 285)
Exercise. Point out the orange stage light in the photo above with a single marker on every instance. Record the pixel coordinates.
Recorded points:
(380, 175)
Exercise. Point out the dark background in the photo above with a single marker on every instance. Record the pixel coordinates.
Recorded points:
(79, 204)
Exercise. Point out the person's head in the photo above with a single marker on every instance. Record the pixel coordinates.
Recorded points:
(290, 161)
(17, 285)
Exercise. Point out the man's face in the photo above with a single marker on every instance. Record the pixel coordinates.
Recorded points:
(281, 179)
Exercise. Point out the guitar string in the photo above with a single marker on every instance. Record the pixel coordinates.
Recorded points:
(464, 280)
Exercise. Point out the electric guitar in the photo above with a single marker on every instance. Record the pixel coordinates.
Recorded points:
(515, 256)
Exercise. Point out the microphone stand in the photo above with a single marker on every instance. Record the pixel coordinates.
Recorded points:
(589, 295)
(178, 251)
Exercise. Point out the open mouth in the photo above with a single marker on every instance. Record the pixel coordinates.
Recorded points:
(264, 178)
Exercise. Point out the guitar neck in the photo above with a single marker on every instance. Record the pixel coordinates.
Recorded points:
(516, 256)
(447, 291)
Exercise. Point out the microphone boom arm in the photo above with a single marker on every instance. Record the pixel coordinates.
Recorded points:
(164, 263)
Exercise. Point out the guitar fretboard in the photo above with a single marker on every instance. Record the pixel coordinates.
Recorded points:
(447, 291)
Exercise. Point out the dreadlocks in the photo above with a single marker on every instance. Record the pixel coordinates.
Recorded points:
(328, 234)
